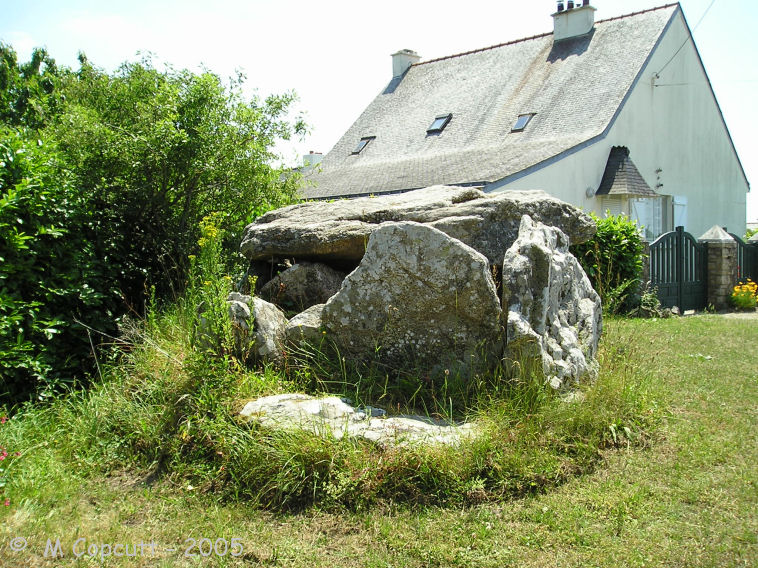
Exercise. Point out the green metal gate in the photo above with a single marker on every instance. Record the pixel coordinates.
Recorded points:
(679, 269)
(747, 259)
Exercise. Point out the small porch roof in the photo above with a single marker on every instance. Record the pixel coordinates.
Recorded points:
(621, 176)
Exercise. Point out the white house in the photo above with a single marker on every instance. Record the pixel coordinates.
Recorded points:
(615, 115)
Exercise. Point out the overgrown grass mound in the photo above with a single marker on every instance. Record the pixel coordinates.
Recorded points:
(169, 410)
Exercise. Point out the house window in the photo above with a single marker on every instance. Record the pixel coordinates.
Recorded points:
(648, 212)
(362, 144)
(439, 124)
(521, 122)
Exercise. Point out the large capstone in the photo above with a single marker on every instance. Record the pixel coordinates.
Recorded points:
(419, 300)
(337, 232)
(553, 315)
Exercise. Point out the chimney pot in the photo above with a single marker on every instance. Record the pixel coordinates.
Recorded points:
(561, 7)
(402, 60)
(311, 160)
(577, 20)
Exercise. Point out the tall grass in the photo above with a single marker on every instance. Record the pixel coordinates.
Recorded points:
(169, 413)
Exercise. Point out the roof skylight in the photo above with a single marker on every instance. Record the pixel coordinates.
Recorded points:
(521, 122)
(362, 144)
(439, 124)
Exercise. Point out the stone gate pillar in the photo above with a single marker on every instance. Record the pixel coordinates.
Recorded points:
(722, 266)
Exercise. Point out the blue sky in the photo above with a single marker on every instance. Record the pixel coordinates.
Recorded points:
(336, 54)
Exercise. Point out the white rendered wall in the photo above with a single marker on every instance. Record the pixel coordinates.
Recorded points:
(675, 128)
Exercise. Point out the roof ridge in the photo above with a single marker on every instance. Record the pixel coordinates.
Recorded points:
(638, 13)
(482, 49)
(512, 42)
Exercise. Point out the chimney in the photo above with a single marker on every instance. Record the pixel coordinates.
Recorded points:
(312, 159)
(402, 60)
(574, 21)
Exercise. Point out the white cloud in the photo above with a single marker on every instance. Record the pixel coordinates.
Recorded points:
(22, 42)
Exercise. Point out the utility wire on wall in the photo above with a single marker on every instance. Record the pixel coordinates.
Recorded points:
(689, 37)
(720, 82)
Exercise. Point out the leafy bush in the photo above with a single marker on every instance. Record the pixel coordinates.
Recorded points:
(750, 232)
(612, 260)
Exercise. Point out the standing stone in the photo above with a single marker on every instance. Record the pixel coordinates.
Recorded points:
(553, 320)
(305, 327)
(268, 326)
(418, 299)
(303, 285)
(239, 311)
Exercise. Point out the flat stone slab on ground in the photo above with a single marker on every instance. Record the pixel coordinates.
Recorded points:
(333, 416)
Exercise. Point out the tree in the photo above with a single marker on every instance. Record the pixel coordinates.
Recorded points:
(28, 96)
(159, 150)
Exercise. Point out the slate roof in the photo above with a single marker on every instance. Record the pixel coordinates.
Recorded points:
(575, 87)
(621, 176)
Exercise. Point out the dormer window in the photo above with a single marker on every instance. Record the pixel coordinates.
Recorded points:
(362, 144)
(439, 124)
(521, 122)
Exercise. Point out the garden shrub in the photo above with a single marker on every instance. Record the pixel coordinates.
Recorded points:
(613, 260)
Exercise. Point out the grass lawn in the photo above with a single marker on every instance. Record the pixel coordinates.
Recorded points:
(688, 496)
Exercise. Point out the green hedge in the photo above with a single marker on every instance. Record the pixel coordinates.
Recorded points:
(613, 261)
